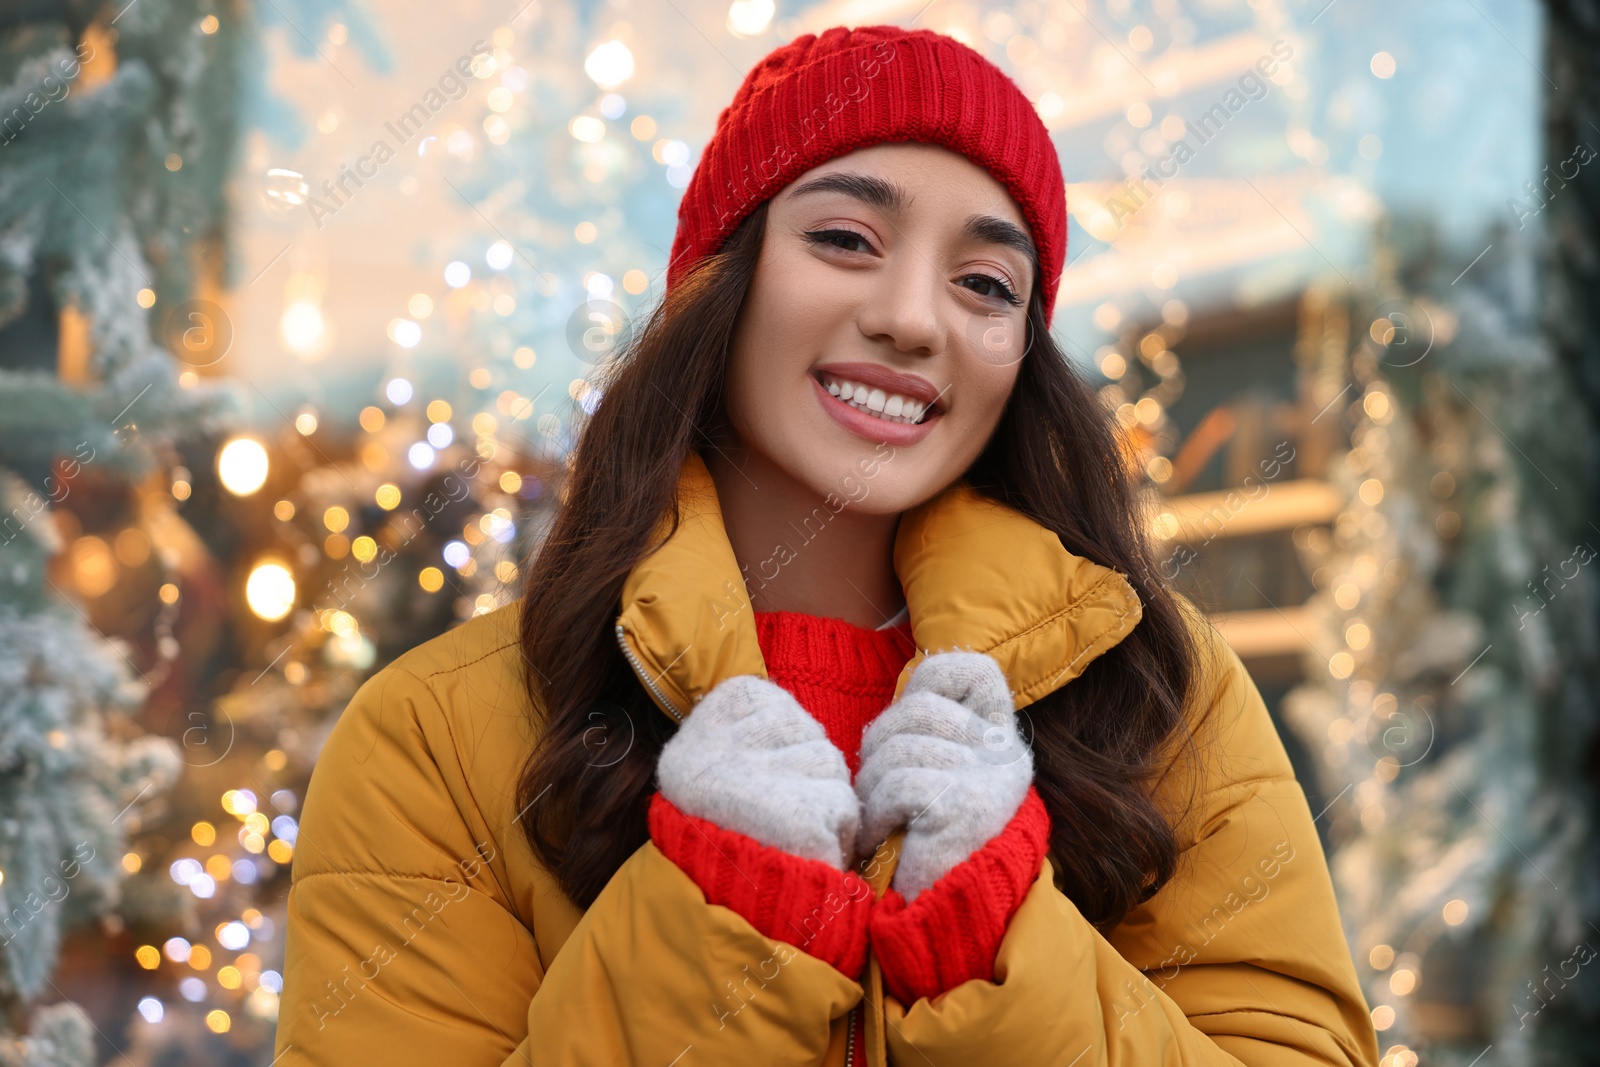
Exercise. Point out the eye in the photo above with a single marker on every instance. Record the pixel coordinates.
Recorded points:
(840, 238)
(831, 237)
(1004, 293)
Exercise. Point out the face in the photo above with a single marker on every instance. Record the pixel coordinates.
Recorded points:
(885, 325)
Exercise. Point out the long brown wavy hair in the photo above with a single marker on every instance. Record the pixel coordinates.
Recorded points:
(1097, 741)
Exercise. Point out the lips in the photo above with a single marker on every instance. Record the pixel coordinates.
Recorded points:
(909, 388)
(873, 427)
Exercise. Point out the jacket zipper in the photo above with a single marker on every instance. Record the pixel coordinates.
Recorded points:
(644, 675)
(850, 1037)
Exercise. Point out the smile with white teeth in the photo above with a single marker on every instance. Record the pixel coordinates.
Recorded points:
(891, 407)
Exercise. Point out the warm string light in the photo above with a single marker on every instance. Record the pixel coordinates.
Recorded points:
(238, 976)
(216, 971)
(1143, 416)
(1362, 589)
(274, 587)
(97, 565)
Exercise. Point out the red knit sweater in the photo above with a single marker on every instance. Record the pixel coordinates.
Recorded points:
(844, 675)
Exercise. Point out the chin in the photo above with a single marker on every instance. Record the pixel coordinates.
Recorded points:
(870, 478)
(868, 482)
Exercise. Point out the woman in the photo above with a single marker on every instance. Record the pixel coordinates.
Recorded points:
(744, 778)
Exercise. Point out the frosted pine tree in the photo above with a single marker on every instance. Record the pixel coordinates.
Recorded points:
(114, 140)
(1457, 696)
(1465, 728)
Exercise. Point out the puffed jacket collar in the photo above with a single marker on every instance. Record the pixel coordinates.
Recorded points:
(976, 575)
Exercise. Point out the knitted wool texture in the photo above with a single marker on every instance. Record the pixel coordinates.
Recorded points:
(844, 675)
(821, 96)
(750, 758)
(947, 762)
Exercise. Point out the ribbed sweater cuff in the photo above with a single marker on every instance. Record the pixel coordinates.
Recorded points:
(952, 931)
(802, 902)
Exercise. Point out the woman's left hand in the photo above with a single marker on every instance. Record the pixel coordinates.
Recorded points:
(945, 760)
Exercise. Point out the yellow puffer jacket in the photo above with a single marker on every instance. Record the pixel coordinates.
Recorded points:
(421, 931)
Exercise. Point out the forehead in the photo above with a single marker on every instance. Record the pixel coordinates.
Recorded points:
(933, 178)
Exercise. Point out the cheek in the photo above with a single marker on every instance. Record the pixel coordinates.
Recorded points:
(800, 299)
(988, 388)
(764, 387)
(786, 324)
(741, 354)
(992, 356)
(757, 336)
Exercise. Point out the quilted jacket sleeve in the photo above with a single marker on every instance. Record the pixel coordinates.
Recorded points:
(951, 933)
(800, 901)
(1239, 959)
(404, 946)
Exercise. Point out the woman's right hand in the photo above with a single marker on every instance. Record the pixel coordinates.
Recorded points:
(945, 760)
(751, 759)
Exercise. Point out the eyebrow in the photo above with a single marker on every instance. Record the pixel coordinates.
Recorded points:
(892, 198)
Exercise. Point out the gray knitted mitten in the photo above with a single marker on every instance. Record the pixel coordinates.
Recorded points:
(946, 761)
(751, 759)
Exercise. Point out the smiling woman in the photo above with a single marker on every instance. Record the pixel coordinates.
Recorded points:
(880, 276)
(948, 785)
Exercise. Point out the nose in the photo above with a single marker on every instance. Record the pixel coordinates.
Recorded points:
(903, 307)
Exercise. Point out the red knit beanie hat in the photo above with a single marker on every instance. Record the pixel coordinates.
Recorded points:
(818, 97)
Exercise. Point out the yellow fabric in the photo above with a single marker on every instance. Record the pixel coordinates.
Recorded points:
(421, 930)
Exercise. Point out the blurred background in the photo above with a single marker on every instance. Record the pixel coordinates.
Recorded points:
(301, 302)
